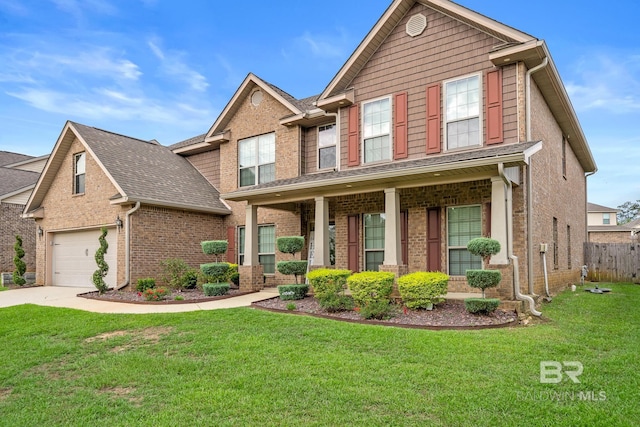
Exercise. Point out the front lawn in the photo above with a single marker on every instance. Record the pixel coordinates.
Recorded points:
(249, 367)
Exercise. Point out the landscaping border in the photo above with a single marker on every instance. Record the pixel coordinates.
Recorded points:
(90, 295)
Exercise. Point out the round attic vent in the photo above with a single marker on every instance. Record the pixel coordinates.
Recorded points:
(256, 98)
(416, 25)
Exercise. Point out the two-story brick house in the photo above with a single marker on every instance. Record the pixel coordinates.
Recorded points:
(442, 126)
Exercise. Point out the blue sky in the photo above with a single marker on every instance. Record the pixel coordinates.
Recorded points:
(164, 69)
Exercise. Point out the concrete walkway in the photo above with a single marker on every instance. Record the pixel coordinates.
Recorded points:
(58, 296)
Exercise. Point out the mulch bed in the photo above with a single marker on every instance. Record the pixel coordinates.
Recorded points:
(189, 296)
(450, 314)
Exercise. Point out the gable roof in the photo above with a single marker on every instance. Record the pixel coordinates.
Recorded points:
(14, 181)
(141, 171)
(592, 207)
(9, 158)
(516, 46)
(250, 82)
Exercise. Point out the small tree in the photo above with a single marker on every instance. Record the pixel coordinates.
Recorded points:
(103, 267)
(215, 269)
(21, 267)
(291, 245)
(483, 247)
(214, 247)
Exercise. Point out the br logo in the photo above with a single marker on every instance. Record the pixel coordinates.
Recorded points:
(551, 372)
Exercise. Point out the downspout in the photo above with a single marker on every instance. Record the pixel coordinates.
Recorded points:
(127, 247)
(543, 64)
(516, 270)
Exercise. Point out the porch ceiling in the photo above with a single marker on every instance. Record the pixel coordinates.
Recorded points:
(443, 169)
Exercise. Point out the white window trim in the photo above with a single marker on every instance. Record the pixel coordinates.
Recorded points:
(480, 112)
(76, 174)
(447, 233)
(364, 238)
(241, 248)
(275, 261)
(257, 164)
(335, 126)
(362, 137)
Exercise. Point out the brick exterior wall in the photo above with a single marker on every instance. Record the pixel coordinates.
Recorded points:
(11, 225)
(611, 237)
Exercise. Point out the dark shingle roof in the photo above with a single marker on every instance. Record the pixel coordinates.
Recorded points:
(8, 158)
(592, 207)
(191, 141)
(151, 172)
(15, 179)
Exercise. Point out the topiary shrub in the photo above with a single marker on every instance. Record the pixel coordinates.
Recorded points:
(329, 288)
(293, 292)
(291, 245)
(215, 289)
(103, 267)
(215, 271)
(371, 291)
(481, 305)
(483, 279)
(21, 267)
(214, 247)
(144, 284)
(423, 289)
(483, 247)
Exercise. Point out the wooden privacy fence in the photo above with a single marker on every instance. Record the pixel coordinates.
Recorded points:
(612, 262)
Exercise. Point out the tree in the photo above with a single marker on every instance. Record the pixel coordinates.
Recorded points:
(628, 211)
(21, 267)
(103, 267)
(291, 245)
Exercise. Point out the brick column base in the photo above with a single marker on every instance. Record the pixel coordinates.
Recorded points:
(251, 277)
(398, 270)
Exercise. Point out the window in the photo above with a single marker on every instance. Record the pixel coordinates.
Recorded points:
(376, 125)
(564, 157)
(373, 241)
(266, 247)
(555, 243)
(327, 146)
(606, 218)
(463, 224)
(256, 159)
(462, 112)
(569, 247)
(79, 168)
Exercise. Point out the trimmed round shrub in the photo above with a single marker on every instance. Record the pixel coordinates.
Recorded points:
(295, 268)
(293, 292)
(423, 289)
(371, 291)
(215, 270)
(483, 279)
(214, 247)
(215, 289)
(290, 244)
(483, 247)
(481, 305)
(328, 288)
(144, 284)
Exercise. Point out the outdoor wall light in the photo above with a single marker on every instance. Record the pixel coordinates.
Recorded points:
(118, 222)
(40, 231)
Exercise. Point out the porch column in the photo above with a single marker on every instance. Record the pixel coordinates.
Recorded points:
(499, 218)
(251, 272)
(321, 239)
(392, 244)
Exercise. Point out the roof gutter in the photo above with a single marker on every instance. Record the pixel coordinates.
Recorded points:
(173, 205)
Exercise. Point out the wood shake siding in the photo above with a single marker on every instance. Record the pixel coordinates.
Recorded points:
(447, 49)
(208, 164)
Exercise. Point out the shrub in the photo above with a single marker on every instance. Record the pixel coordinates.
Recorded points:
(215, 289)
(155, 294)
(483, 279)
(483, 247)
(423, 289)
(214, 247)
(21, 267)
(144, 284)
(481, 305)
(232, 275)
(376, 310)
(290, 244)
(295, 268)
(190, 279)
(293, 292)
(329, 287)
(177, 274)
(371, 291)
(291, 306)
(103, 267)
(215, 271)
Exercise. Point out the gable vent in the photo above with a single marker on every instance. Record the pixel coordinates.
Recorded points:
(416, 25)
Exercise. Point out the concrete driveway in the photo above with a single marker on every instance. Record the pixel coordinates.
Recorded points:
(58, 296)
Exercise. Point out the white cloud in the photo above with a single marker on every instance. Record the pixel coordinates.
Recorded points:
(606, 83)
(14, 7)
(323, 46)
(173, 64)
(79, 9)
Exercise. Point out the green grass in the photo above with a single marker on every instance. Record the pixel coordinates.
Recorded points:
(249, 367)
(3, 288)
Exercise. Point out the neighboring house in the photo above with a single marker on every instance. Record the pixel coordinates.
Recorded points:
(18, 176)
(603, 227)
(442, 126)
(154, 204)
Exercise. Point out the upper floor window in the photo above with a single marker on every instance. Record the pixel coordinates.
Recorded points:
(79, 168)
(606, 218)
(462, 112)
(256, 159)
(373, 241)
(463, 224)
(327, 146)
(376, 126)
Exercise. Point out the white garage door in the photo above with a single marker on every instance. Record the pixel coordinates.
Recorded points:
(74, 258)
